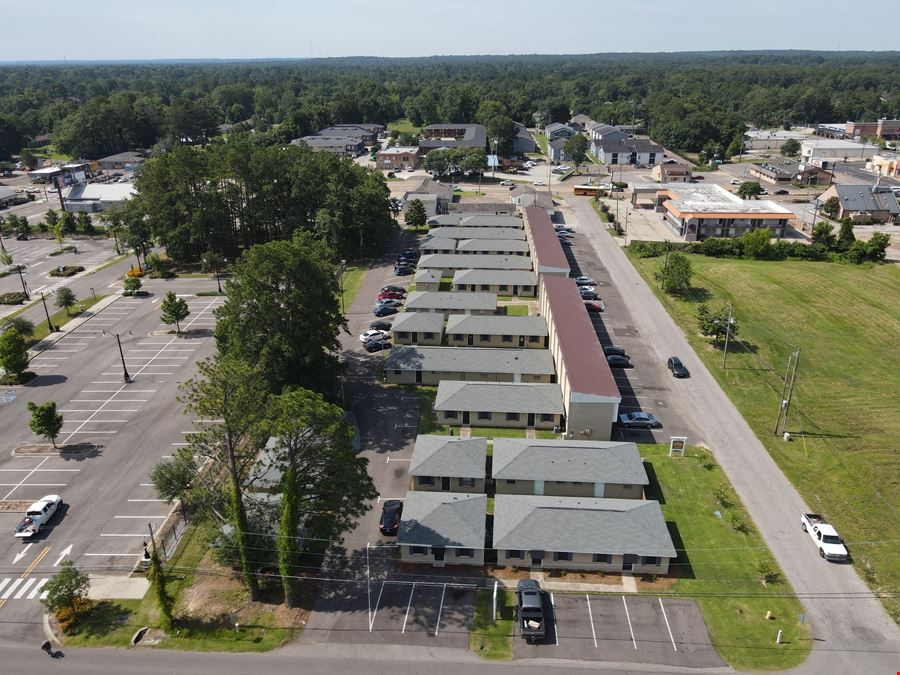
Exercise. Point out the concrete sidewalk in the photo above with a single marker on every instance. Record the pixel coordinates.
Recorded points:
(117, 588)
(628, 585)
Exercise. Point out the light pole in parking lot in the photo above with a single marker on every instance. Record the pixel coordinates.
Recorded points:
(50, 325)
(122, 356)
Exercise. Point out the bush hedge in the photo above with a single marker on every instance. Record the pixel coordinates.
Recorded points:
(66, 271)
(16, 298)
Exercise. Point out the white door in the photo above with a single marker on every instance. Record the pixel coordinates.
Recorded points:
(598, 489)
(538, 487)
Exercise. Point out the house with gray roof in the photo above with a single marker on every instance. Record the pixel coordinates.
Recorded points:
(449, 263)
(482, 208)
(447, 302)
(437, 245)
(436, 136)
(568, 468)
(489, 404)
(452, 232)
(434, 195)
(492, 246)
(475, 220)
(339, 145)
(864, 203)
(524, 332)
(526, 196)
(407, 364)
(579, 533)
(443, 528)
(448, 464)
(581, 122)
(558, 130)
(627, 151)
(501, 282)
(427, 280)
(418, 328)
(523, 141)
(556, 149)
(605, 132)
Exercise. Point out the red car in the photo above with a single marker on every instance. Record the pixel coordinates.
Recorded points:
(390, 295)
(594, 305)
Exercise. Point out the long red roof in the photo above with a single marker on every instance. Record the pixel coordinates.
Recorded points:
(546, 243)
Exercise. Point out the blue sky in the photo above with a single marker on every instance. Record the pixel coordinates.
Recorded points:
(168, 29)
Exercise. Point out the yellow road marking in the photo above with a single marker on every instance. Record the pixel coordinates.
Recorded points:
(34, 563)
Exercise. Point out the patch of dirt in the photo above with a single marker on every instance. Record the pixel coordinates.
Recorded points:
(584, 577)
(13, 505)
(509, 573)
(66, 451)
(659, 584)
(219, 594)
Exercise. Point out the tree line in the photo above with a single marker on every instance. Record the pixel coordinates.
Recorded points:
(687, 100)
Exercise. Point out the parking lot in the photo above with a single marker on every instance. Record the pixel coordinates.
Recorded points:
(623, 628)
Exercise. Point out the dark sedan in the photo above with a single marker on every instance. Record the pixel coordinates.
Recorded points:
(402, 271)
(618, 361)
(391, 511)
(376, 345)
(677, 367)
(380, 325)
(589, 295)
(608, 350)
(392, 289)
(382, 310)
(640, 420)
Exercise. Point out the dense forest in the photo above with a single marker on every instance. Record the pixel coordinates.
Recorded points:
(689, 101)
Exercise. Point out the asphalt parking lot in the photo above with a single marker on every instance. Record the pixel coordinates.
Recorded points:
(623, 628)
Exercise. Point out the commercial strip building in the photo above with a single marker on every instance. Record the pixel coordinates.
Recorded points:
(672, 173)
(770, 139)
(863, 203)
(784, 171)
(410, 364)
(94, 197)
(887, 129)
(694, 212)
(885, 165)
(830, 150)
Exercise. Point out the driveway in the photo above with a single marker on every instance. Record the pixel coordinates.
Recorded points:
(851, 632)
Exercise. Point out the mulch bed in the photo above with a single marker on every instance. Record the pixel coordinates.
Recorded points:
(67, 451)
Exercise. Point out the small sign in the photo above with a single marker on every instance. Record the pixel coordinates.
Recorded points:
(493, 161)
(677, 445)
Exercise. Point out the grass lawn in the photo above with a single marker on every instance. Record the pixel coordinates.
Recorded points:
(403, 126)
(844, 415)
(113, 623)
(717, 564)
(602, 215)
(491, 639)
(516, 310)
(60, 318)
(541, 141)
(353, 277)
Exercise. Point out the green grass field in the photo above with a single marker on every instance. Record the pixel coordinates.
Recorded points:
(541, 141)
(491, 639)
(845, 415)
(353, 277)
(717, 565)
(403, 126)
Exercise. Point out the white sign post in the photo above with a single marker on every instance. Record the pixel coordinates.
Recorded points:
(494, 615)
(677, 445)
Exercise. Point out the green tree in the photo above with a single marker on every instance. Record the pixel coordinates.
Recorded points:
(45, 420)
(674, 276)
(749, 189)
(791, 148)
(173, 478)
(325, 485)
(756, 243)
(823, 233)
(714, 323)
(845, 238)
(274, 290)
(26, 156)
(831, 207)
(415, 214)
(65, 298)
(173, 310)
(131, 285)
(13, 352)
(213, 262)
(231, 391)
(20, 324)
(84, 224)
(158, 582)
(66, 588)
(68, 222)
(52, 219)
(576, 148)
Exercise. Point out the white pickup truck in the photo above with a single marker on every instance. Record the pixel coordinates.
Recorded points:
(38, 515)
(826, 537)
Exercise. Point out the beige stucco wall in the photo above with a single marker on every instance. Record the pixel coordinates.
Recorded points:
(416, 338)
(431, 377)
(493, 341)
(616, 491)
(499, 289)
(597, 417)
(581, 562)
(455, 485)
(497, 420)
(520, 487)
(428, 286)
(450, 557)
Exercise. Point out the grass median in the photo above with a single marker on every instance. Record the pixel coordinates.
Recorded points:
(352, 280)
(489, 638)
(846, 320)
(61, 318)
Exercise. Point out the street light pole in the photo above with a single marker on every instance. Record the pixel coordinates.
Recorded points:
(22, 279)
(341, 283)
(727, 335)
(50, 325)
(122, 356)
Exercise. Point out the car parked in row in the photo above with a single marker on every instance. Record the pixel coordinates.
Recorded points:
(390, 295)
(596, 306)
(618, 361)
(403, 270)
(584, 281)
(376, 345)
(609, 350)
(373, 334)
(589, 295)
(389, 302)
(383, 310)
(393, 289)
(381, 325)
(391, 512)
(639, 420)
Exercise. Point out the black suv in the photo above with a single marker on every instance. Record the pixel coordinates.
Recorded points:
(677, 367)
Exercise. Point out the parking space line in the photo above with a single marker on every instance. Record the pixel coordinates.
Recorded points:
(146, 500)
(114, 555)
(35, 484)
(44, 470)
(671, 637)
(591, 618)
(437, 626)
(628, 616)
(27, 477)
(555, 622)
(408, 605)
(372, 618)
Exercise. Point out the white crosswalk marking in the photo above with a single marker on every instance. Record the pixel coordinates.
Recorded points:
(9, 591)
(3, 583)
(24, 588)
(37, 588)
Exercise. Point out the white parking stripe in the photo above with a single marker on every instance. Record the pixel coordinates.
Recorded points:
(35, 484)
(36, 589)
(628, 616)
(591, 617)
(668, 627)
(140, 517)
(24, 588)
(146, 500)
(114, 555)
(555, 622)
(27, 477)
(372, 618)
(408, 605)
(144, 534)
(437, 626)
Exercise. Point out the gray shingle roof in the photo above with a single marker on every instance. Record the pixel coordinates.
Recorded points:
(508, 277)
(578, 461)
(581, 525)
(419, 322)
(448, 456)
(463, 261)
(443, 519)
(504, 245)
(558, 143)
(474, 136)
(627, 145)
(497, 325)
(476, 220)
(477, 232)
(470, 360)
(864, 198)
(557, 126)
(450, 300)
(427, 276)
(499, 397)
(438, 244)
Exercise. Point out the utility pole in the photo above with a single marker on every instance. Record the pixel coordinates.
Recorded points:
(787, 391)
(666, 261)
(727, 334)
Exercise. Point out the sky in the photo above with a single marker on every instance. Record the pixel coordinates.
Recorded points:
(227, 29)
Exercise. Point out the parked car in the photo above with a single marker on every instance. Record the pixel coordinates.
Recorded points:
(376, 345)
(22, 237)
(391, 511)
(677, 367)
(618, 361)
(565, 242)
(405, 262)
(584, 281)
(781, 192)
(389, 295)
(735, 181)
(698, 177)
(539, 183)
(530, 610)
(562, 228)
(373, 334)
(609, 350)
(380, 325)
(389, 302)
(640, 420)
(594, 306)
(395, 289)
(381, 310)
(589, 295)
(403, 270)
(37, 516)
(508, 183)
(565, 235)
(587, 289)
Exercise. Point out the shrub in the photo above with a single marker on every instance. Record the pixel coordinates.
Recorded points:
(135, 272)
(16, 298)
(67, 617)
(64, 249)
(721, 247)
(647, 249)
(66, 271)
